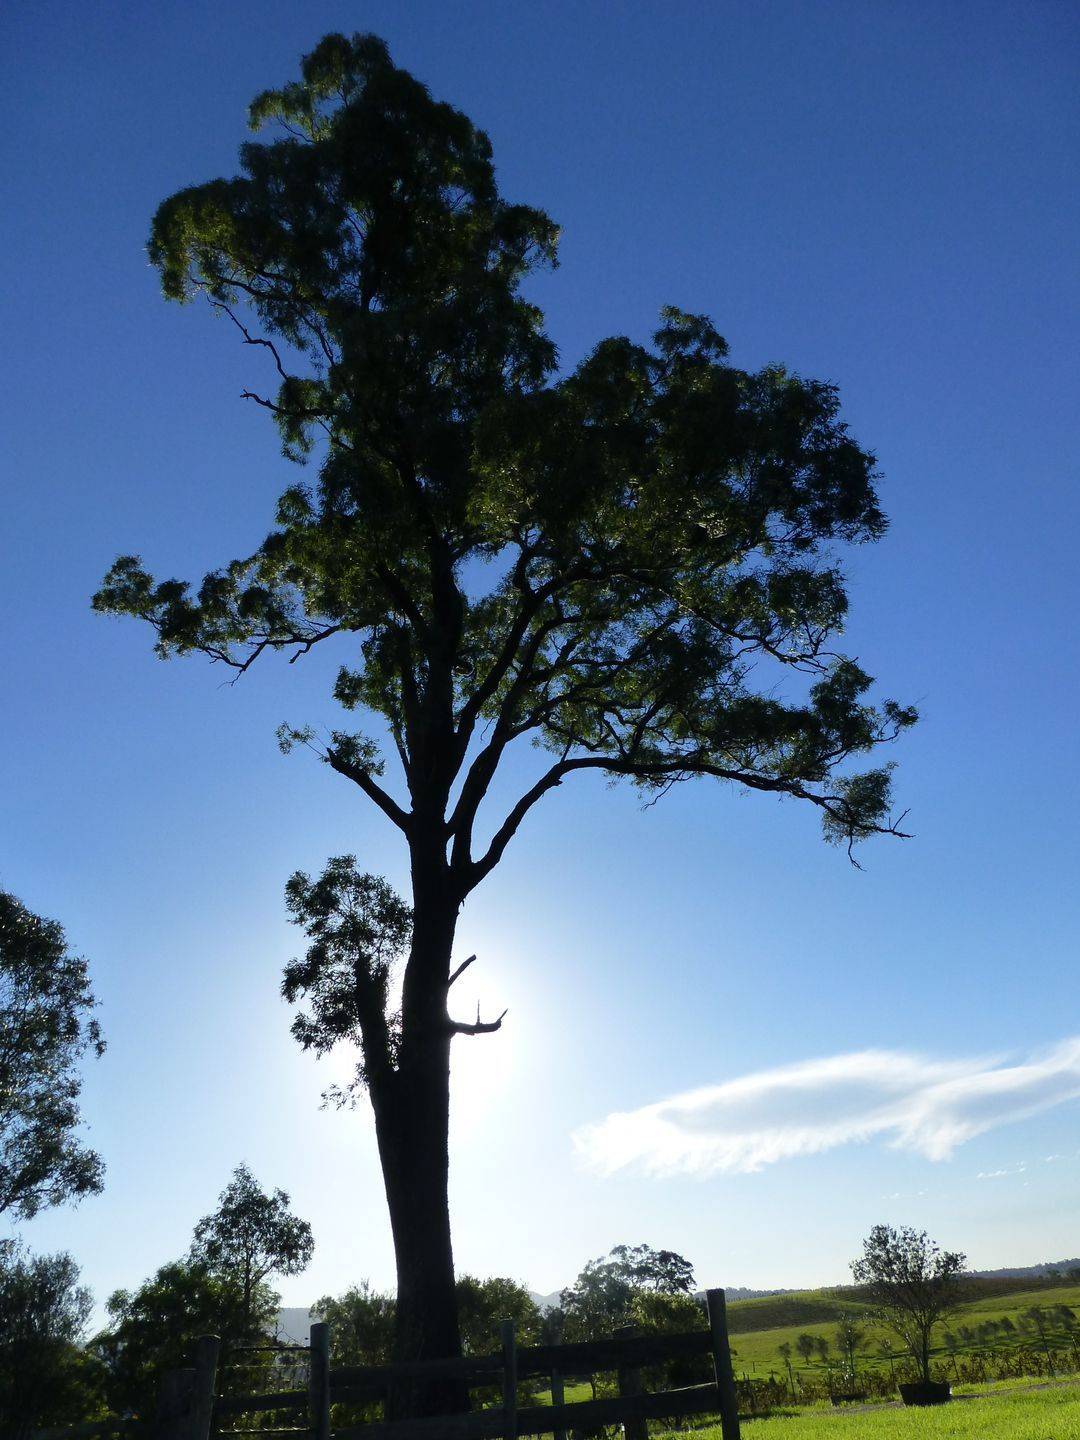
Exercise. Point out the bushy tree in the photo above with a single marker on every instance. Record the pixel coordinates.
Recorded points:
(484, 1304)
(46, 1375)
(154, 1328)
(47, 1028)
(621, 563)
(251, 1236)
(911, 1283)
(603, 1295)
(361, 1322)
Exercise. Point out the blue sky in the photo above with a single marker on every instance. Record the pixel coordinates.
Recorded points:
(882, 195)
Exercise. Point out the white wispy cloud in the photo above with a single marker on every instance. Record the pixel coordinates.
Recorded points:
(905, 1101)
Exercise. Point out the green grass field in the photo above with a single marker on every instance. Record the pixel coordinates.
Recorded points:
(1052, 1414)
(759, 1327)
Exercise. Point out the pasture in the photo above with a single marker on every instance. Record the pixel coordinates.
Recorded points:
(760, 1327)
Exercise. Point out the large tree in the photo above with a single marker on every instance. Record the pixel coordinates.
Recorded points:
(620, 563)
(47, 1028)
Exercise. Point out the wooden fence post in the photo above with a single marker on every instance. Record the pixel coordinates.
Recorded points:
(509, 1351)
(175, 1396)
(319, 1382)
(558, 1393)
(207, 1349)
(629, 1385)
(721, 1353)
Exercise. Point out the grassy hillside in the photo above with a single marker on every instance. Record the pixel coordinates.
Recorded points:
(1051, 1414)
(760, 1327)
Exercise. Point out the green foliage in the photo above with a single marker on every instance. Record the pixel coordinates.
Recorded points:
(625, 1287)
(361, 1324)
(46, 1029)
(154, 1328)
(911, 1282)
(663, 523)
(46, 1376)
(251, 1236)
(358, 928)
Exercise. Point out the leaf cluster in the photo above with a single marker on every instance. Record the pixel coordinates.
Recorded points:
(47, 1028)
(359, 928)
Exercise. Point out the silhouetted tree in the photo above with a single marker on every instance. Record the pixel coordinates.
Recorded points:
(619, 563)
(46, 1030)
(912, 1284)
(251, 1236)
(46, 1376)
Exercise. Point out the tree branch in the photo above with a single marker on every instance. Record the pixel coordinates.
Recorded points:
(371, 789)
(480, 1027)
(460, 970)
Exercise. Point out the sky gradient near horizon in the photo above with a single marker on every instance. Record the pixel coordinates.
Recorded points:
(879, 195)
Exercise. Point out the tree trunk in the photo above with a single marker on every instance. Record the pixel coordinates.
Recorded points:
(412, 1116)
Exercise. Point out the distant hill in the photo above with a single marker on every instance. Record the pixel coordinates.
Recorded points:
(1048, 1269)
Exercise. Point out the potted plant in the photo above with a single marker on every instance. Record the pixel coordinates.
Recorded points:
(912, 1285)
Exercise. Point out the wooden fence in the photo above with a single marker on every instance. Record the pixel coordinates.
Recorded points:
(190, 1408)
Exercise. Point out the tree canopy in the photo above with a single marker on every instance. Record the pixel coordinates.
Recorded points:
(47, 1028)
(251, 1236)
(609, 1291)
(619, 561)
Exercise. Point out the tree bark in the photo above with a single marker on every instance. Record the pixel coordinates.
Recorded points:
(412, 1113)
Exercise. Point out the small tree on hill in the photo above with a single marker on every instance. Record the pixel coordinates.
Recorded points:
(1038, 1321)
(251, 1236)
(850, 1339)
(47, 1027)
(785, 1355)
(912, 1284)
(806, 1345)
